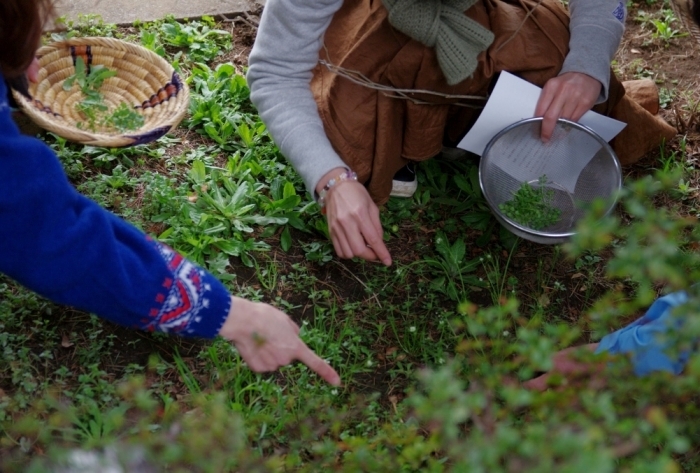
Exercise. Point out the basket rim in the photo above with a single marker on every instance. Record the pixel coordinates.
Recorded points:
(539, 236)
(67, 128)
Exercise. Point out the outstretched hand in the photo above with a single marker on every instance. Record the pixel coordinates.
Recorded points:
(353, 222)
(569, 96)
(568, 366)
(267, 339)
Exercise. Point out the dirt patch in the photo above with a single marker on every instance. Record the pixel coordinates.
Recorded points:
(672, 64)
(243, 29)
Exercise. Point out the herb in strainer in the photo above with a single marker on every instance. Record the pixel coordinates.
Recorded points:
(532, 206)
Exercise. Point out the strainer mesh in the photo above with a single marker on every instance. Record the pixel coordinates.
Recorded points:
(577, 165)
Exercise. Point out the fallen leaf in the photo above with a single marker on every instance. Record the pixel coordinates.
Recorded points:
(635, 51)
(65, 343)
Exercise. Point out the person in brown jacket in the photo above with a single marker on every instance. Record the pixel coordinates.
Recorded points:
(354, 90)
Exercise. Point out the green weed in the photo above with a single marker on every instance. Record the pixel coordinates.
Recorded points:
(202, 41)
(453, 268)
(86, 25)
(661, 24)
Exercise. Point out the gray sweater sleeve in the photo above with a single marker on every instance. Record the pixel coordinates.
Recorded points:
(280, 70)
(596, 30)
(286, 50)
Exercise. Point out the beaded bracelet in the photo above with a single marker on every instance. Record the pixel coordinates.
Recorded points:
(346, 175)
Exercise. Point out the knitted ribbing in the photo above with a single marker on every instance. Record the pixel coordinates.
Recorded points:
(442, 24)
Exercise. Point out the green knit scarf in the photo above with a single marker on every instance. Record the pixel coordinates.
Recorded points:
(458, 40)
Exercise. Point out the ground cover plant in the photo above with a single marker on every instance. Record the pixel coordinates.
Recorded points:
(431, 350)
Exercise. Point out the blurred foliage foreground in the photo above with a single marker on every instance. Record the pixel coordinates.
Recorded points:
(469, 415)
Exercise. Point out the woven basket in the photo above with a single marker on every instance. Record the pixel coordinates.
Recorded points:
(144, 80)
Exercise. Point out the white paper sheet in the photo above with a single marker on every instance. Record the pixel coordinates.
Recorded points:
(514, 99)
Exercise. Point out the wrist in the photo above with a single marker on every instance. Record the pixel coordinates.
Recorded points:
(327, 177)
(234, 323)
(345, 176)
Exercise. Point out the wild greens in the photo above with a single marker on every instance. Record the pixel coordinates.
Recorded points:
(93, 107)
(532, 206)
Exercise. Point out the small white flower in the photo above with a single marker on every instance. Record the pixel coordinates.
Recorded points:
(412, 329)
(334, 392)
(369, 363)
(441, 361)
(506, 333)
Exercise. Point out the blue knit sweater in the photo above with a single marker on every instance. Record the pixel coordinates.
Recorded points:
(67, 248)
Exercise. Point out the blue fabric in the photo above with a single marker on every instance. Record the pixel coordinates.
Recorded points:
(67, 248)
(648, 338)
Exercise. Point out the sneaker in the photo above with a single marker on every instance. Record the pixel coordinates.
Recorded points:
(405, 183)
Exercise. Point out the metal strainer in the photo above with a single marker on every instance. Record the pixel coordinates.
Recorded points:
(576, 166)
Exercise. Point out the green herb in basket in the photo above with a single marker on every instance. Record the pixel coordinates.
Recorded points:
(93, 106)
(532, 206)
(89, 83)
(124, 118)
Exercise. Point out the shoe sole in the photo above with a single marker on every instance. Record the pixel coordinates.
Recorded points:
(403, 189)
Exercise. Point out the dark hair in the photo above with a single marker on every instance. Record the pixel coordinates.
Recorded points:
(21, 25)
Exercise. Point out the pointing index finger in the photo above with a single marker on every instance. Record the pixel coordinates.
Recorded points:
(372, 231)
(320, 367)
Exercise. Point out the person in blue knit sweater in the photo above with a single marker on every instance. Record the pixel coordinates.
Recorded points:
(69, 249)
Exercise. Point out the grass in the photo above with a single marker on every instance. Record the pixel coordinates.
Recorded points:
(429, 350)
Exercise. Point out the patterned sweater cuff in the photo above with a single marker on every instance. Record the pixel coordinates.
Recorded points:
(193, 303)
(212, 316)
